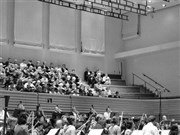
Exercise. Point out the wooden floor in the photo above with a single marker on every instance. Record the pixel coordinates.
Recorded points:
(130, 107)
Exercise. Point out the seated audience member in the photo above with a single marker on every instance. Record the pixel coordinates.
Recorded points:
(86, 74)
(108, 92)
(98, 77)
(21, 127)
(91, 80)
(30, 63)
(64, 68)
(23, 65)
(7, 62)
(38, 86)
(60, 88)
(29, 86)
(11, 123)
(106, 80)
(98, 88)
(116, 95)
(20, 85)
(37, 64)
(44, 67)
(90, 93)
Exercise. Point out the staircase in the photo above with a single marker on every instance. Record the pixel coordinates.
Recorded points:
(129, 91)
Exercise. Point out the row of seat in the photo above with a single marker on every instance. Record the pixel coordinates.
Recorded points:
(130, 107)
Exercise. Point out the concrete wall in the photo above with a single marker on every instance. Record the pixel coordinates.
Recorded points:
(73, 60)
(162, 27)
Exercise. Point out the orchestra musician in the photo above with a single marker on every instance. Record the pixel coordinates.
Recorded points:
(75, 114)
(92, 111)
(11, 122)
(70, 128)
(107, 113)
(114, 129)
(150, 128)
(21, 128)
(39, 114)
(38, 129)
(56, 114)
(20, 108)
(164, 124)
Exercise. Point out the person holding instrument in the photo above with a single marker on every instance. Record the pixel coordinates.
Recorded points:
(150, 128)
(107, 113)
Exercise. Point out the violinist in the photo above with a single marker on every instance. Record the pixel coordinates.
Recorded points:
(56, 114)
(38, 129)
(92, 111)
(107, 113)
(40, 113)
(21, 128)
(70, 128)
(163, 123)
(114, 129)
(75, 113)
(129, 128)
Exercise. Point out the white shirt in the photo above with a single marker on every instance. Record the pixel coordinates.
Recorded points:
(107, 115)
(114, 130)
(70, 130)
(2, 113)
(150, 129)
(23, 65)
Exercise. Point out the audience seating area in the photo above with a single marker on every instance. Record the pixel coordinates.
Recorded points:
(38, 77)
(45, 89)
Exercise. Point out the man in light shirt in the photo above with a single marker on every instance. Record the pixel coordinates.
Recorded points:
(107, 113)
(150, 129)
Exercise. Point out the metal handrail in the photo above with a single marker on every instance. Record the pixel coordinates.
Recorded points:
(164, 88)
(145, 82)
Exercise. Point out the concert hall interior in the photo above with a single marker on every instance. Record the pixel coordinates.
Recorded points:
(89, 67)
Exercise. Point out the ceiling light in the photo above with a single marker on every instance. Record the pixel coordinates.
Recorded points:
(149, 1)
(94, 6)
(163, 5)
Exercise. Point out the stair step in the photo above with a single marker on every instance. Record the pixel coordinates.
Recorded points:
(125, 89)
(118, 82)
(114, 76)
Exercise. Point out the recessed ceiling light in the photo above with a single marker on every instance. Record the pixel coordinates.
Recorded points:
(163, 5)
(149, 1)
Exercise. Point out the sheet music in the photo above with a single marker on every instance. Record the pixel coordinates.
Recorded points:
(95, 132)
(53, 131)
(139, 132)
